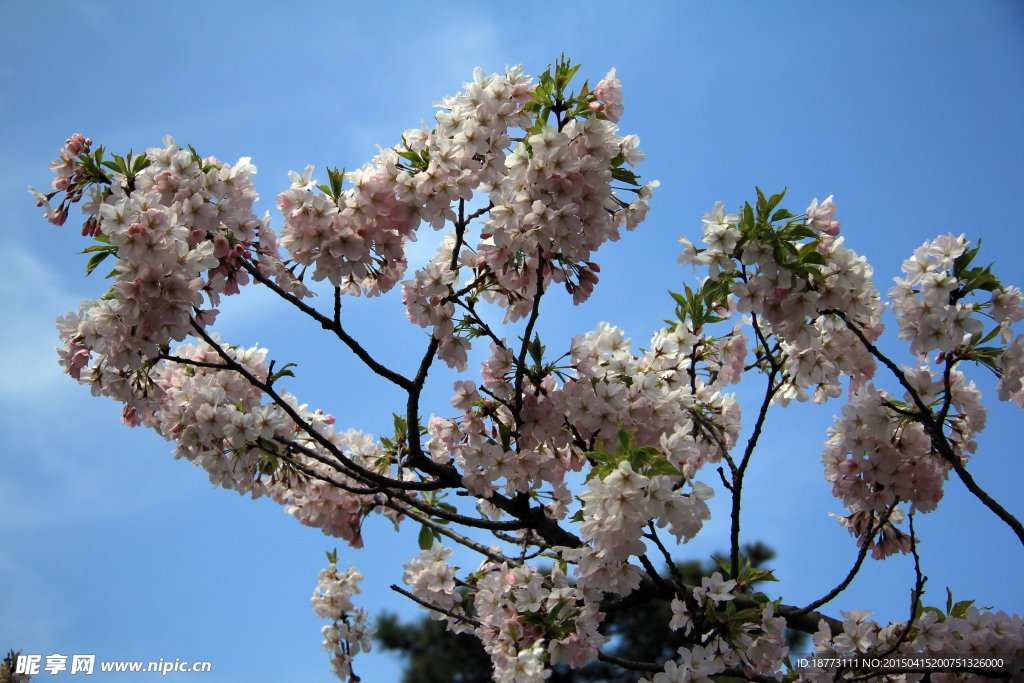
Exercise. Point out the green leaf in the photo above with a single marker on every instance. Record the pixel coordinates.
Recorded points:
(790, 249)
(960, 608)
(774, 200)
(988, 337)
(964, 260)
(814, 257)
(726, 565)
(536, 350)
(800, 231)
(624, 175)
(781, 214)
(95, 261)
(401, 426)
(625, 439)
(747, 218)
(663, 468)
(426, 538)
(283, 372)
(506, 436)
(761, 575)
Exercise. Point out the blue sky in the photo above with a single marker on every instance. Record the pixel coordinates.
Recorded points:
(909, 113)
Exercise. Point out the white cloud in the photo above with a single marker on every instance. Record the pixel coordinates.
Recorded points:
(33, 298)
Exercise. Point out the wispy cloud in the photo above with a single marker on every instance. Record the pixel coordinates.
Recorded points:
(28, 336)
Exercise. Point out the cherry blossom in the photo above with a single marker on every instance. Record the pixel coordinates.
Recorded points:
(577, 460)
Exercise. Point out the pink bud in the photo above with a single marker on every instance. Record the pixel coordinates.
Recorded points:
(221, 247)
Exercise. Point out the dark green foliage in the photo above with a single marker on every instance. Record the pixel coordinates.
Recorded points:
(640, 633)
(434, 654)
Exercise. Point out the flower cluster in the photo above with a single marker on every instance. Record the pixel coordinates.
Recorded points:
(959, 630)
(349, 633)
(615, 512)
(523, 618)
(875, 458)
(178, 226)
(755, 643)
(638, 425)
(551, 203)
(785, 283)
(933, 314)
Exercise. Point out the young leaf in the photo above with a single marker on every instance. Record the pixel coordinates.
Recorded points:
(426, 538)
(283, 372)
(95, 261)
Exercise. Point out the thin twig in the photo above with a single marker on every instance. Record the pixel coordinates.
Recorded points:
(329, 324)
(934, 430)
(435, 608)
(457, 537)
(737, 478)
(872, 530)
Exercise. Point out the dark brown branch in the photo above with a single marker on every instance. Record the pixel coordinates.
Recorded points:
(480, 323)
(382, 480)
(479, 212)
(331, 325)
(521, 361)
(435, 608)
(357, 471)
(196, 363)
(737, 479)
(310, 472)
(915, 596)
(934, 430)
(856, 565)
(457, 537)
(673, 569)
(667, 591)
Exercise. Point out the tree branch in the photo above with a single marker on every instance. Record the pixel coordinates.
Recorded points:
(457, 537)
(332, 325)
(934, 430)
(435, 608)
(856, 565)
(737, 479)
(521, 361)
